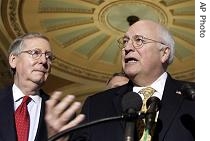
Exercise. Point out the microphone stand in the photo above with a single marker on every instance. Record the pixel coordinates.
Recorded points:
(125, 116)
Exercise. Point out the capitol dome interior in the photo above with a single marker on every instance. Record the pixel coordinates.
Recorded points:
(84, 33)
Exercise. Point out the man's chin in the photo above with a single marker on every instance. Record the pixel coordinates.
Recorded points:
(130, 70)
(39, 81)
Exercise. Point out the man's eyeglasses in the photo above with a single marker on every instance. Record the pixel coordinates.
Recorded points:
(37, 53)
(138, 41)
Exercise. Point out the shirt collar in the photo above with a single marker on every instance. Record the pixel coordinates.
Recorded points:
(18, 94)
(158, 85)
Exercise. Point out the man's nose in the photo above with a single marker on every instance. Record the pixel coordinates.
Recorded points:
(130, 45)
(43, 58)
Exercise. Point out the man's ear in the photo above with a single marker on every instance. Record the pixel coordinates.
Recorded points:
(165, 53)
(12, 60)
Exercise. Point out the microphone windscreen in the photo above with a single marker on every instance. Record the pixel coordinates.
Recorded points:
(188, 90)
(131, 100)
(153, 103)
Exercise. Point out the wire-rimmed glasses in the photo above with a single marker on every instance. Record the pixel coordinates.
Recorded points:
(138, 41)
(37, 53)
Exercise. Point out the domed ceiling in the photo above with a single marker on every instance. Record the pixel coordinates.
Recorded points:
(83, 35)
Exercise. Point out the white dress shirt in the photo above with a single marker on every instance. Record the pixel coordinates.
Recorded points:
(34, 107)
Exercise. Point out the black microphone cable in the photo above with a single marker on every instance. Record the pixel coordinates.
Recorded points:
(125, 116)
(64, 132)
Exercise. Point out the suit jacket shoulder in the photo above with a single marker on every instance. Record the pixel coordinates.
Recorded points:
(177, 114)
(7, 121)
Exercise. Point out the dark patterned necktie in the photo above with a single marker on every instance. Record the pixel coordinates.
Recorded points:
(22, 120)
(140, 124)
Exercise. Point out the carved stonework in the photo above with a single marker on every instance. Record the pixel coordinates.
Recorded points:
(13, 17)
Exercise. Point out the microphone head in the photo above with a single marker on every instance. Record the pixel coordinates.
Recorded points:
(188, 90)
(131, 102)
(153, 103)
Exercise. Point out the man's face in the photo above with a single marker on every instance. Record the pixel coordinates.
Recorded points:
(29, 69)
(146, 59)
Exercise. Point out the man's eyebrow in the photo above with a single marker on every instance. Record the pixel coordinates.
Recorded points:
(125, 36)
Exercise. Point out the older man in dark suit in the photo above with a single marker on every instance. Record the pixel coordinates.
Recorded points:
(26, 115)
(147, 50)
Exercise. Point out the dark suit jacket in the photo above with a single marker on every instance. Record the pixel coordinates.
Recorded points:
(176, 120)
(7, 120)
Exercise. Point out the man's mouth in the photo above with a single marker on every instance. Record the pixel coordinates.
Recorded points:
(43, 71)
(130, 60)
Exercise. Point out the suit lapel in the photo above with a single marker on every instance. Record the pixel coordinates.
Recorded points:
(170, 104)
(7, 120)
(41, 134)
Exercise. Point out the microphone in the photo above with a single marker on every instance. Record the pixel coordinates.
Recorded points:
(131, 104)
(153, 105)
(188, 90)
